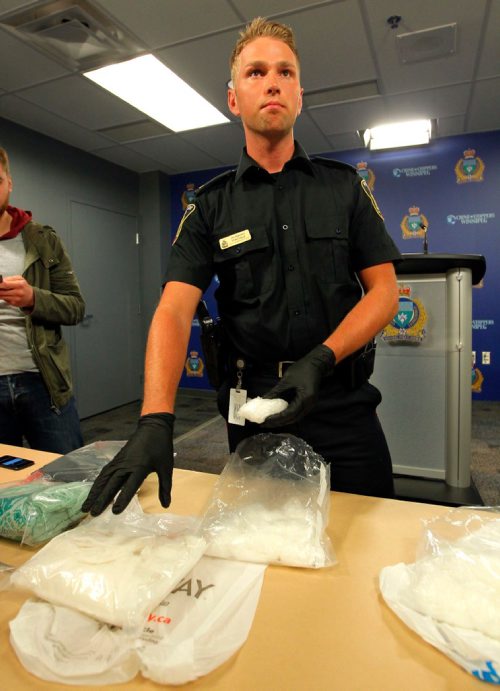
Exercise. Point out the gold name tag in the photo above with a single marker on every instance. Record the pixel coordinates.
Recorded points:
(235, 239)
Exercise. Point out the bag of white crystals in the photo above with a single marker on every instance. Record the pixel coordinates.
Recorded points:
(271, 505)
(450, 595)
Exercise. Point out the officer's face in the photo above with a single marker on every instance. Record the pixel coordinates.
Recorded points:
(5, 189)
(267, 94)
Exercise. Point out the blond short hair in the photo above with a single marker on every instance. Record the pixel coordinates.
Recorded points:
(261, 28)
(4, 160)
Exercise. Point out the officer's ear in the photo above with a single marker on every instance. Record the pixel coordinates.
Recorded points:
(299, 102)
(232, 101)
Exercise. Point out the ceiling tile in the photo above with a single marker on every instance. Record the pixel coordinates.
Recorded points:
(223, 142)
(10, 5)
(417, 16)
(40, 120)
(268, 8)
(362, 114)
(344, 141)
(454, 124)
(489, 65)
(78, 99)
(344, 56)
(208, 76)
(175, 153)
(158, 23)
(125, 157)
(31, 68)
(143, 129)
(341, 44)
(307, 132)
(484, 111)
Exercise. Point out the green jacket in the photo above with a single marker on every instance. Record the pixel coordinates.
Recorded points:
(58, 301)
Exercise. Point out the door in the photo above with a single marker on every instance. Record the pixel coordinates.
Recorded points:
(108, 343)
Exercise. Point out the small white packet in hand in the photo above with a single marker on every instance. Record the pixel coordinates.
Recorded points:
(259, 409)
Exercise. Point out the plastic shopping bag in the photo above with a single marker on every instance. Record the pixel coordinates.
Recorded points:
(451, 594)
(271, 505)
(205, 619)
(115, 568)
(59, 644)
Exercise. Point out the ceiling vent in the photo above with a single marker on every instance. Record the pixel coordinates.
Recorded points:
(74, 31)
(438, 42)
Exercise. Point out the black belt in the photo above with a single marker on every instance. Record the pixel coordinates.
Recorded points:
(352, 371)
(274, 369)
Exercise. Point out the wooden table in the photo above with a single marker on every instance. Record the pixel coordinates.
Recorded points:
(314, 630)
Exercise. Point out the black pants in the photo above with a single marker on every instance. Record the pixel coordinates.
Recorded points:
(343, 428)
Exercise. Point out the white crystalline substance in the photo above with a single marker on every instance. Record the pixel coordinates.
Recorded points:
(115, 578)
(258, 409)
(291, 534)
(462, 585)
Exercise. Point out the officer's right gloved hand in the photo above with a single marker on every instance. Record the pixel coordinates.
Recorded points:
(300, 386)
(149, 449)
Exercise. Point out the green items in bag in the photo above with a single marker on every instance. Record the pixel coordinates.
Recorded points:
(38, 511)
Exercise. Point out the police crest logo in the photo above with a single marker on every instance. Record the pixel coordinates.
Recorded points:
(370, 196)
(414, 224)
(408, 326)
(470, 168)
(366, 174)
(194, 365)
(187, 213)
(477, 380)
(188, 195)
(477, 377)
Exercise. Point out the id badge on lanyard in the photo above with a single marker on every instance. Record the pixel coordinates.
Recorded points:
(237, 397)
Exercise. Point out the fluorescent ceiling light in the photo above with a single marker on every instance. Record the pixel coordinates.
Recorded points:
(398, 134)
(148, 85)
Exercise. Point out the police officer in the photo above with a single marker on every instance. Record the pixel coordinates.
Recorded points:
(307, 279)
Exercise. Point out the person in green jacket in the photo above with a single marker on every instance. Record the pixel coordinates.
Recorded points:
(39, 293)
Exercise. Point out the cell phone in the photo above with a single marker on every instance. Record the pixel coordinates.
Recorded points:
(1, 278)
(14, 462)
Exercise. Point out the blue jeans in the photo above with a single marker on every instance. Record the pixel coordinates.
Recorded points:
(25, 411)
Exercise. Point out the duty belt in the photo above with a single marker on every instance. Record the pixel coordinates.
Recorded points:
(352, 372)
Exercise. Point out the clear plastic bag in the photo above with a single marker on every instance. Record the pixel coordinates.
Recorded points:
(48, 501)
(80, 465)
(115, 568)
(36, 512)
(271, 505)
(451, 594)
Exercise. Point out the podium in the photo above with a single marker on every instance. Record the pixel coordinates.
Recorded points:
(423, 369)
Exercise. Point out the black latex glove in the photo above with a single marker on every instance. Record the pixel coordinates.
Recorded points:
(300, 386)
(149, 449)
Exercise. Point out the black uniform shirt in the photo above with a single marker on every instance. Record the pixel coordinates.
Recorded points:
(286, 249)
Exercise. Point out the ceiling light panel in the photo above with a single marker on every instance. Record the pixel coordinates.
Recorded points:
(398, 134)
(151, 87)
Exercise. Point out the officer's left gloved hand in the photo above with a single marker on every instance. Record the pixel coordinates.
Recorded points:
(300, 386)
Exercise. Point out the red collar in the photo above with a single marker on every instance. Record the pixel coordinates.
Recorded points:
(19, 219)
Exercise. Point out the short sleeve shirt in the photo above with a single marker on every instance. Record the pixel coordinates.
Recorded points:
(286, 249)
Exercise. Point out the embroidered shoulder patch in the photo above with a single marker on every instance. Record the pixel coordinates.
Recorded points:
(187, 213)
(370, 196)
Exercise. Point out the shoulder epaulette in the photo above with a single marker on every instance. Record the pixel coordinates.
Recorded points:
(332, 163)
(214, 181)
